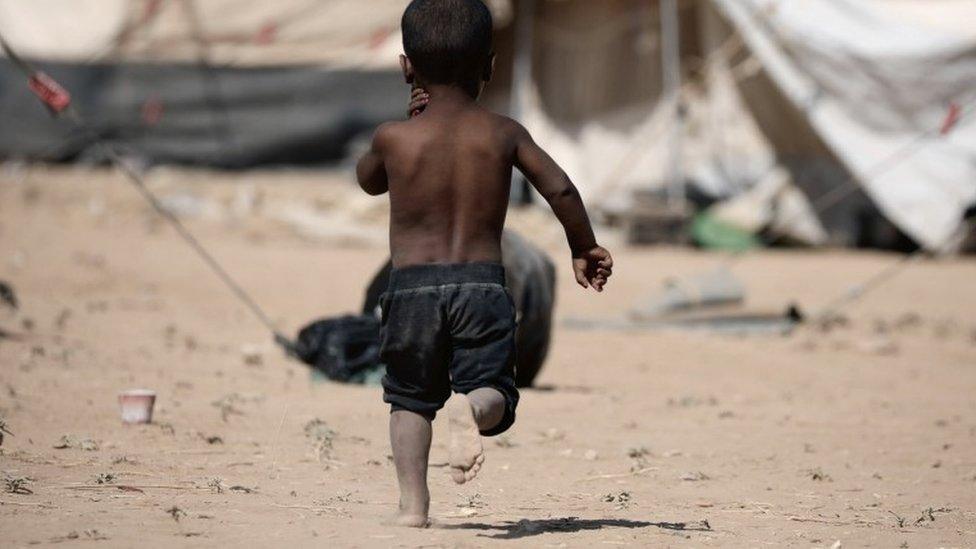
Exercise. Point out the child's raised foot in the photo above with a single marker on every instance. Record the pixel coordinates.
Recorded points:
(466, 451)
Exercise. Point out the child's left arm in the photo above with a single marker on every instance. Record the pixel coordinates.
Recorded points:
(370, 170)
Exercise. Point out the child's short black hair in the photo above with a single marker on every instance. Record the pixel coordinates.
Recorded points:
(448, 41)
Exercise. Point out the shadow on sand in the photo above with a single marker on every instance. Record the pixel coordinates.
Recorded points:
(534, 527)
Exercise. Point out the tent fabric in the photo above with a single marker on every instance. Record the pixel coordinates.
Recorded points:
(873, 87)
(186, 114)
(336, 33)
(828, 89)
(242, 33)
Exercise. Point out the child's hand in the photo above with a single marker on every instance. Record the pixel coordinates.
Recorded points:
(418, 102)
(593, 267)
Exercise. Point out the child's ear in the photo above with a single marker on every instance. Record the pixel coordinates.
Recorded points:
(489, 68)
(408, 73)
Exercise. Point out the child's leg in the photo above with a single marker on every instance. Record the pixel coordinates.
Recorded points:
(468, 415)
(410, 435)
(489, 407)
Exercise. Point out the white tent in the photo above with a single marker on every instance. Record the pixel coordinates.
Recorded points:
(882, 93)
(825, 87)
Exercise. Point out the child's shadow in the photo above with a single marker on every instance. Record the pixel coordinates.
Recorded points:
(534, 527)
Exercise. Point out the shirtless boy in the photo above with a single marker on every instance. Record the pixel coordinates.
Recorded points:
(448, 322)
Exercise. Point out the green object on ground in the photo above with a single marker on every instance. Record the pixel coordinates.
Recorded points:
(713, 234)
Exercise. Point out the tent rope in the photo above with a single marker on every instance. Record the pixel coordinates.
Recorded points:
(58, 102)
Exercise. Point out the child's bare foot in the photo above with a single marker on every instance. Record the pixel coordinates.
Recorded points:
(467, 453)
(408, 520)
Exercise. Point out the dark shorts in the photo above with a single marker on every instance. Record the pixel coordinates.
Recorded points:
(448, 327)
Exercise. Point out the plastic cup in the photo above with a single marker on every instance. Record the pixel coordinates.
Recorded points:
(137, 405)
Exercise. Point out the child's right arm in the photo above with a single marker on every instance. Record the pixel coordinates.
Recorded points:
(370, 170)
(592, 264)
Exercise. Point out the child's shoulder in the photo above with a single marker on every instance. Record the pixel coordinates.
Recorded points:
(501, 120)
(388, 134)
(504, 126)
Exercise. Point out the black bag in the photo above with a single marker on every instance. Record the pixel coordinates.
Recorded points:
(345, 349)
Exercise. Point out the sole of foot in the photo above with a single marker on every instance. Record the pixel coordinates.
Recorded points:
(466, 450)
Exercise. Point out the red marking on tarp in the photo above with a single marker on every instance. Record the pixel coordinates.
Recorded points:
(379, 36)
(152, 111)
(151, 9)
(267, 34)
(49, 92)
(951, 119)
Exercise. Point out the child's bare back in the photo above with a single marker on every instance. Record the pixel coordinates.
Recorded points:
(448, 171)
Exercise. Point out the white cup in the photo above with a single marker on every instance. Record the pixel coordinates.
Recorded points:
(137, 405)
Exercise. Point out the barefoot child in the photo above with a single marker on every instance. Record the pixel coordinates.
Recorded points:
(448, 322)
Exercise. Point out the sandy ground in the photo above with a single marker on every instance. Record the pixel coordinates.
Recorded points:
(863, 435)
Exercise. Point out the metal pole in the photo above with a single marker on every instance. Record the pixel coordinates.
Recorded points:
(522, 81)
(671, 78)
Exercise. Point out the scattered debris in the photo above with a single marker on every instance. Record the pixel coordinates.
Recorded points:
(692, 402)
(837, 545)
(928, 515)
(818, 475)
(472, 502)
(213, 439)
(17, 485)
(176, 513)
(216, 484)
(227, 405)
(638, 453)
(504, 441)
(105, 478)
(7, 296)
(93, 535)
(640, 456)
(244, 489)
(322, 436)
(907, 321)
(878, 346)
(828, 323)
(695, 477)
(4, 430)
(252, 355)
(622, 500)
(61, 321)
(899, 520)
(69, 441)
(190, 343)
(553, 434)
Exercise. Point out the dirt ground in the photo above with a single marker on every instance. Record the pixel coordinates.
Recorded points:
(863, 435)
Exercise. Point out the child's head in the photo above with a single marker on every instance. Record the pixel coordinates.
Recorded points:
(447, 42)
